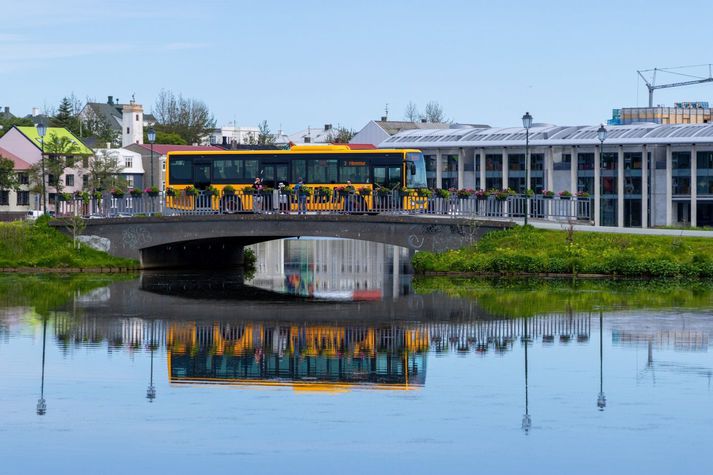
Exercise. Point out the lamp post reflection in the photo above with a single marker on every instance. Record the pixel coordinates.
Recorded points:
(601, 399)
(41, 403)
(526, 419)
(151, 390)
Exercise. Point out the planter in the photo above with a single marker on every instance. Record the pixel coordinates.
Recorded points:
(152, 194)
(547, 197)
(565, 197)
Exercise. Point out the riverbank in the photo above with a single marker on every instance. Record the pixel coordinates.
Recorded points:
(35, 247)
(526, 250)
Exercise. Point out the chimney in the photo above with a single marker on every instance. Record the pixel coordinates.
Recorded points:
(110, 100)
(7, 110)
(35, 111)
(383, 118)
(327, 127)
(225, 140)
(423, 121)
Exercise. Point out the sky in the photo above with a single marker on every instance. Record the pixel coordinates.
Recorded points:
(307, 63)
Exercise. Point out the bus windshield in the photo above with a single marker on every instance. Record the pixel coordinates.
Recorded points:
(415, 170)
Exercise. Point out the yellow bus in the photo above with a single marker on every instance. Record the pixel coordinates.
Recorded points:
(321, 167)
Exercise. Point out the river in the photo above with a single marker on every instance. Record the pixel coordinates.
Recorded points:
(332, 356)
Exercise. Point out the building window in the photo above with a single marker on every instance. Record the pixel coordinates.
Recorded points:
(127, 130)
(137, 117)
(85, 181)
(69, 180)
(23, 198)
(130, 181)
(4, 198)
(128, 162)
(85, 162)
(23, 178)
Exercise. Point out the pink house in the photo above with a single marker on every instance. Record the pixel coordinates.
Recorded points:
(25, 147)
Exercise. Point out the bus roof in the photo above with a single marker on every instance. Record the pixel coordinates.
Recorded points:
(316, 149)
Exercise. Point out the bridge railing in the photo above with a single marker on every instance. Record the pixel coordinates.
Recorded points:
(276, 202)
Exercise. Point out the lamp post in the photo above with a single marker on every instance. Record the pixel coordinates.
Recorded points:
(527, 123)
(601, 399)
(41, 403)
(526, 419)
(41, 131)
(151, 390)
(152, 138)
(602, 136)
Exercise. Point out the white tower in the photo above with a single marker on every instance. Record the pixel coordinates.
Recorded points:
(132, 120)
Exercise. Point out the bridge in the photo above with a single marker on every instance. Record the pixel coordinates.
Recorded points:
(217, 240)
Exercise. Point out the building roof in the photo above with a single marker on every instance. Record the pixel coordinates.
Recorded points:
(392, 127)
(20, 164)
(33, 136)
(550, 135)
(163, 149)
(112, 113)
(5, 114)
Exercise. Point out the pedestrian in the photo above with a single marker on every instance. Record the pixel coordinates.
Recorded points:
(283, 198)
(257, 194)
(301, 192)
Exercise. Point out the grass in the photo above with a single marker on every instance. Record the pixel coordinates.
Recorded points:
(532, 251)
(36, 244)
(527, 296)
(47, 292)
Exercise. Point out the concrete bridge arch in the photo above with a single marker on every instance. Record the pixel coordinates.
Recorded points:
(218, 240)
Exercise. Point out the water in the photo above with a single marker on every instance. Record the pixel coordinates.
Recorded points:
(332, 358)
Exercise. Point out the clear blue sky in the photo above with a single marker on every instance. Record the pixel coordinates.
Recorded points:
(300, 63)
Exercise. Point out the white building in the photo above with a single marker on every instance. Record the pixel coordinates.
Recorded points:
(376, 131)
(231, 134)
(645, 175)
(132, 169)
(325, 134)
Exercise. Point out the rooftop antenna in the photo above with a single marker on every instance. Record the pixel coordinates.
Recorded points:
(649, 78)
(386, 111)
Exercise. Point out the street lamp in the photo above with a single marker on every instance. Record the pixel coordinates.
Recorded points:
(41, 131)
(601, 398)
(527, 123)
(152, 138)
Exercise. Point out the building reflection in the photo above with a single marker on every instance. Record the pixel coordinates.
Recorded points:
(334, 269)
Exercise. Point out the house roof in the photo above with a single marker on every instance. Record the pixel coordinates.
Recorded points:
(34, 137)
(112, 113)
(163, 149)
(20, 164)
(392, 127)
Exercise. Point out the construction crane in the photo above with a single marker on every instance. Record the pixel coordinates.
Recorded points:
(652, 86)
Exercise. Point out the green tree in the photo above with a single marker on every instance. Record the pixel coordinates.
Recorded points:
(166, 138)
(104, 170)
(8, 177)
(187, 117)
(7, 124)
(340, 135)
(265, 136)
(67, 116)
(98, 127)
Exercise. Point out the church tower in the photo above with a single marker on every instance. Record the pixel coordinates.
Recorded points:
(132, 130)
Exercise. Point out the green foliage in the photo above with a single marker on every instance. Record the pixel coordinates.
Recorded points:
(521, 297)
(529, 250)
(39, 245)
(163, 137)
(265, 137)
(67, 116)
(46, 292)
(8, 177)
(7, 124)
(249, 263)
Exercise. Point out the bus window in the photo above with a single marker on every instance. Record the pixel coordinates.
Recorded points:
(380, 176)
(181, 171)
(394, 177)
(415, 170)
(251, 169)
(322, 171)
(354, 170)
(229, 170)
(299, 170)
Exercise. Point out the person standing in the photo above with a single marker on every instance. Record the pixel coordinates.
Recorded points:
(301, 192)
(257, 195)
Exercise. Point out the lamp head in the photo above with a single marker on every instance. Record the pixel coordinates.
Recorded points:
(151, 135)
(527, 120)
(602, 133)
(41, 129)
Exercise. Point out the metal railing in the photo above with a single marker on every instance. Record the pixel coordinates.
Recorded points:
(275, 202)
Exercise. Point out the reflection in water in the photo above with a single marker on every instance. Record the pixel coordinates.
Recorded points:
(332, 269)
(109, 350)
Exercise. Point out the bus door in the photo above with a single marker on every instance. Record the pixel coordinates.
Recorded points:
(387, 176)
(274, 173)
(201, 175)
